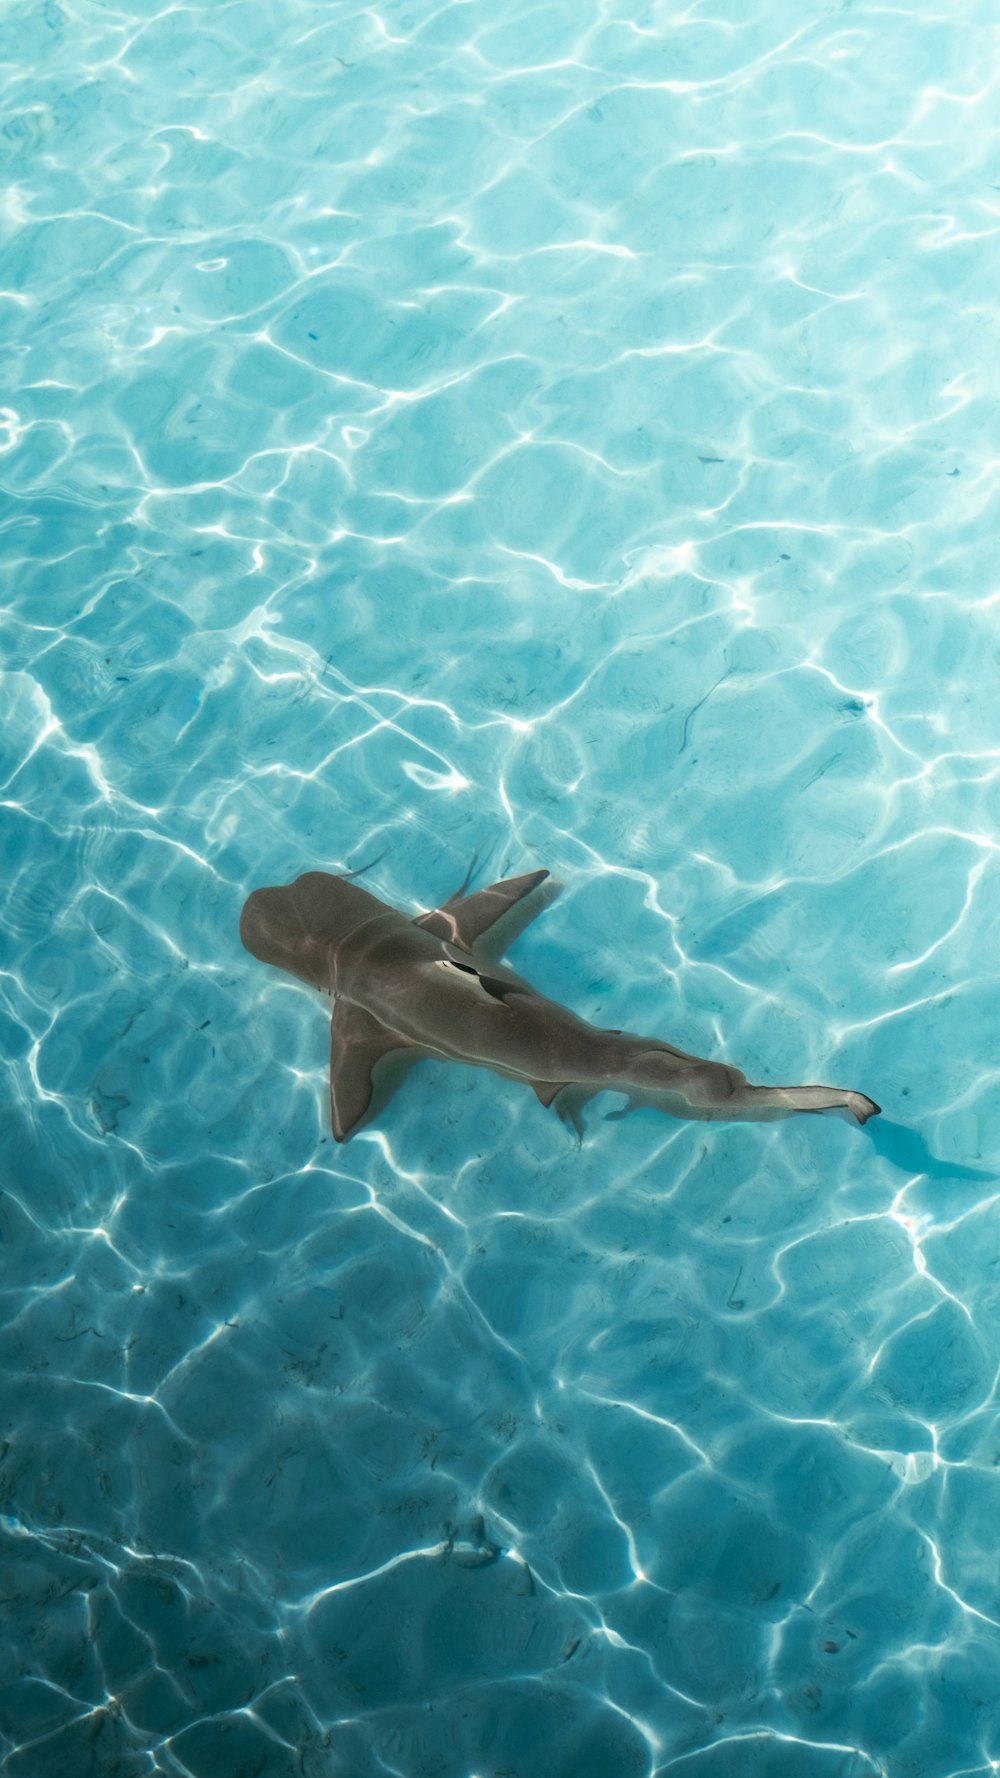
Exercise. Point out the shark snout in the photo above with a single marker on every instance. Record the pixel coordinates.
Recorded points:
(259, 920)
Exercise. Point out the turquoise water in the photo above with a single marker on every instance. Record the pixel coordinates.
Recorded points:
(566, 435)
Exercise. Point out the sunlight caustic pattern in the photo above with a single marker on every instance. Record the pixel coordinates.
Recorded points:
(568, 436)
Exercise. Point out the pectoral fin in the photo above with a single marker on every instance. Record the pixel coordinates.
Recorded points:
(357, 1042)
(463, 919)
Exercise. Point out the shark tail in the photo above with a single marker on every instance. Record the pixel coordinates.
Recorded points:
(791, 1099)
(716, 1089)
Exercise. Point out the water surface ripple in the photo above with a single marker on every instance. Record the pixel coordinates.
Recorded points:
(565, 434)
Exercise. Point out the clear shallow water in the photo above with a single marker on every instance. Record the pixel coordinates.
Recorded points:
(569, 437)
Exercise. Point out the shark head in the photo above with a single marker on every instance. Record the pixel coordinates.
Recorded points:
(297, 925)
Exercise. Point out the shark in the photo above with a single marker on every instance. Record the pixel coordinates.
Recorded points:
(434, 985)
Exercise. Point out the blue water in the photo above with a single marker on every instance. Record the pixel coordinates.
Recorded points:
(565, 435)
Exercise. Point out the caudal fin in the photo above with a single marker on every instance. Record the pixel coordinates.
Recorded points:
(807, 1099)
(690, 1087)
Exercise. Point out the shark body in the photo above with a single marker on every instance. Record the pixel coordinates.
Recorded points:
(427, 986)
